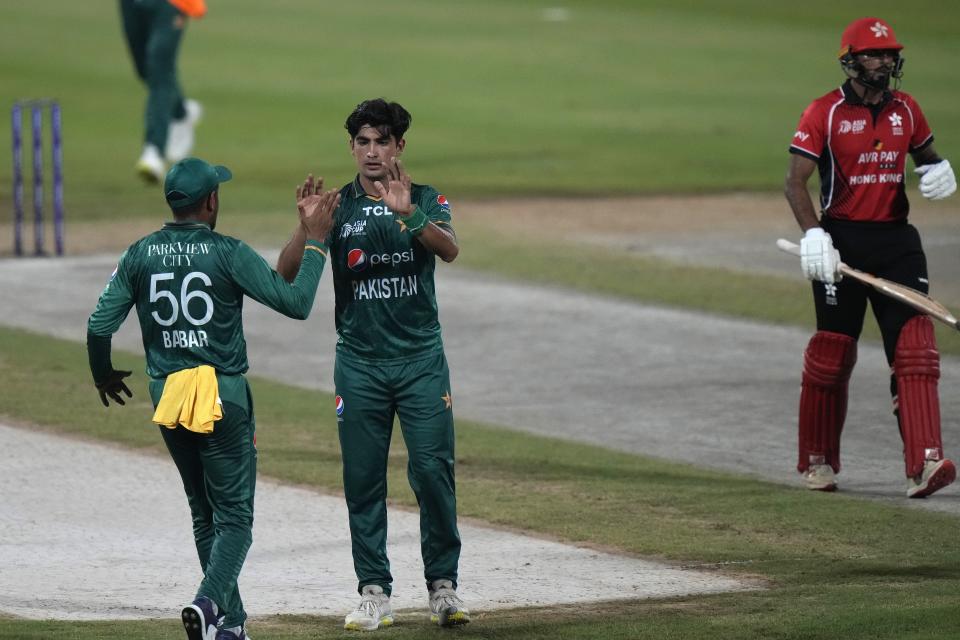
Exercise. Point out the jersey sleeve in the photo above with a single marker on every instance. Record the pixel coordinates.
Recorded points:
(112, 309)
(436, 207)
(922, 135)
(259, 281)
(116, 300)
(810, 137)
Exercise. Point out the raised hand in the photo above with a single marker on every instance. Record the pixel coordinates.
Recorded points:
(396, 193)
(316, 208)
(309, 187)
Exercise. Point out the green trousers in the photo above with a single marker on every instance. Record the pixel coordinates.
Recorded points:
(219, 473)
(369, 396)
(153, 29)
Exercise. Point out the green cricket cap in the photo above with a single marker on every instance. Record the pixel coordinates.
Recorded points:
(191, 180)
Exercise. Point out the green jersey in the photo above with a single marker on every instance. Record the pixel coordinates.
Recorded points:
(386, 305)
(188, 284)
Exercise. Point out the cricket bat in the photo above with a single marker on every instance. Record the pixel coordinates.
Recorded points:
(911, 297)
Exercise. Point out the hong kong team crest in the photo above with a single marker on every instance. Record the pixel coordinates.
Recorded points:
(357, 260)
(339, 406)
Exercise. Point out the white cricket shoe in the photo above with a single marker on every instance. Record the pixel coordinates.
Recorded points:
(373, 612)
(446, 607)
(180, 132)
(150, 166)
(820, 477)
(936, 475)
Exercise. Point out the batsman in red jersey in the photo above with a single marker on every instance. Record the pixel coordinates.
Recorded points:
(858, 137)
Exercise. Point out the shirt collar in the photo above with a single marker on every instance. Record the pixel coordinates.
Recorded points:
(185, 224)
(850, 96)
(358, 190)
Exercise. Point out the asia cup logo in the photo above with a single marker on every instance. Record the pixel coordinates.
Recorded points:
(357, 260)
(339, 406)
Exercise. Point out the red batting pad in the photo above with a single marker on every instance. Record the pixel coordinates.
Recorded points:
(827, 363)
(916, 367)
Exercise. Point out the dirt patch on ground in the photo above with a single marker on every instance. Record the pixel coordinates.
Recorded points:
(626, 222)
(571, 217)
(619, 221)
(735, 231)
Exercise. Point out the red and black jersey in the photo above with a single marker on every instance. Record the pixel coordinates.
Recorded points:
(861, 151)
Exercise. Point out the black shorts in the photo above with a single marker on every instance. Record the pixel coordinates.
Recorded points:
(890, 250)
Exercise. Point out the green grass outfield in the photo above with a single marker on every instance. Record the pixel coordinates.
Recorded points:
(626, 96)
(835, 567)
(646, 96)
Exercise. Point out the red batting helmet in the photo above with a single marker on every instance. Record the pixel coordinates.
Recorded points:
(866, 34)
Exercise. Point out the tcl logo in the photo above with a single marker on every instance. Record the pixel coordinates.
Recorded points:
(357, 259)
(377, 210)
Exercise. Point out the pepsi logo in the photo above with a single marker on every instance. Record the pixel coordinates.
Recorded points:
(357, 260)
(339, 406)
(442, 201)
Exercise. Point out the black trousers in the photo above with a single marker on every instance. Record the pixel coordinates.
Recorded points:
(888, 250)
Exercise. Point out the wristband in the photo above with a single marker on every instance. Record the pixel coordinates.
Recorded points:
(313, 245)
(416, 221)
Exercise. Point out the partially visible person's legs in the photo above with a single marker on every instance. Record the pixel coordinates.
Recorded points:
(365, 424)
(219, 478)
(154, 29)
(911, 348)
(165, 100)
(827, 364)
(425, 407)
(136, 24)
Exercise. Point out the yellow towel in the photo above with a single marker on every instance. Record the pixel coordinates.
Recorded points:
(190, 397)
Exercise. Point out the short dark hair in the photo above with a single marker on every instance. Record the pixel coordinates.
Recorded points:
(389, 118)
(190, 209)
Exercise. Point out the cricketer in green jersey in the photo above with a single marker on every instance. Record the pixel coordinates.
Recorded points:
(188, 283)
(390, 362)
(153, 30)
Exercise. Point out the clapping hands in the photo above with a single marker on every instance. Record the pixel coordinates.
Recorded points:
(396, 193)
(316, 208)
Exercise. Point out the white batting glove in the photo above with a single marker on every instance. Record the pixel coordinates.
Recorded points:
(818, 258)
(937, 180)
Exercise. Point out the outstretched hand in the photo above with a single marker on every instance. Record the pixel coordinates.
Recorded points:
(112, 386)
(396, 193)
(316, 208)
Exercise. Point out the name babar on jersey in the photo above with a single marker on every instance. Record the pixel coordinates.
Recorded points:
(376, 244)
(180, 254)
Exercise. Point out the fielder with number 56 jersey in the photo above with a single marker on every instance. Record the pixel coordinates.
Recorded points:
(858, 137)
(387, 234)
(188, 283)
